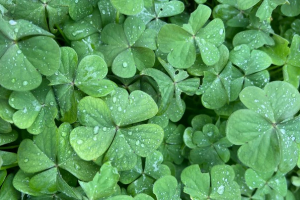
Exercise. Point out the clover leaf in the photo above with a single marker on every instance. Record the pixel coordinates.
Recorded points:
(128, 8)
(6, 111)
(172, 143)
(30, 51)
(106, 182)
(291, 9)
(180, 46)
(291, 70)
(7, 190)
(48, 161)
(76, 30)
(208, 144)
(266, 182)
(172, 85)
(130, 47)
(252, 64)
(88, 76)
(35, 109)
(151, 15)
(216, 85)
(267, 127)
(106, 128)
(38, 11)
(219, 184)
(141, 178)
(166, 188)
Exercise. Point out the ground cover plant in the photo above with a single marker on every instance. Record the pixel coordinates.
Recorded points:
(149, 99)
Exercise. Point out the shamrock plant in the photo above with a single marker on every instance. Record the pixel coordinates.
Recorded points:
(149, 99)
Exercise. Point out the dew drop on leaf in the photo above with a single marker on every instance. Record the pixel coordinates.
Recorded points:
(114, 99)
(25, 83)
(19, 51)
(129, 133)
(119, 109)
(125, 64)
(12, 22)
(221, 31)
(104, 128)
(77, 167)
(220, 189)
(96, 129)
(95, 138)
(79, 141)
(64, 134)
(13, 80)
(137, 142)
(26, 160)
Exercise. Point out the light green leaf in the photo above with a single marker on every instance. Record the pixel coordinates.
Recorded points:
(197, 184)
(123, 106)
(166, 188)
(8, 191)
(36, 108)
(128, 8)
(98, 129)
(32, 159)
(90, 77)
(105, 181)
(291, 8)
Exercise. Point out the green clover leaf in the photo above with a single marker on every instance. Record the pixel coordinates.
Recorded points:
(48, 159)
(151, 15)
(35, 109)
(128, 47)
(88, 76)
(106, 127)
(30, 51)
(171, 85)
(208, 144)
(180, 46)
(223, 186)
(141, 178)
(166, 188)
(38, 11)
(76, 30)
(266, 182)
(128, 8)
(106, 182)
(267, 128)
(172, 143)
(291, 70)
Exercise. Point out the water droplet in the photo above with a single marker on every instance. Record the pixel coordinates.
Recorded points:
(12, 22)
(210, 134)
(221, 189)
(142, 145)
(114, 99)
(129, 133)
(26, 160)
(119, 109)
(13, 80)
(237, 48)
(96, 129)
(137, 142)
(77, 167)
(64, 134)
(221, 31)
(19, 51)
(125, 64)
(293, 95)
(16, 30)
(25, 83)
(79, 141)
(95, 138)
(76, 1)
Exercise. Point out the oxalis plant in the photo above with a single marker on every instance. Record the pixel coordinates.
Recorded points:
(149, 99)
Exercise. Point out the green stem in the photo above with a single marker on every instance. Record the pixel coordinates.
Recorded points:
(63, 35)
(118, 17)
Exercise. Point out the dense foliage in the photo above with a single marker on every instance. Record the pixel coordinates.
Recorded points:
(149, 99)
